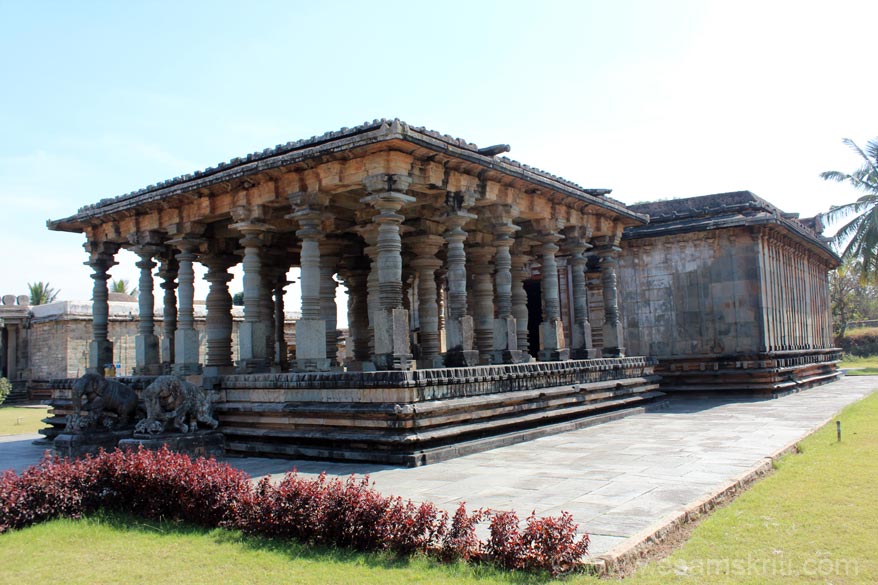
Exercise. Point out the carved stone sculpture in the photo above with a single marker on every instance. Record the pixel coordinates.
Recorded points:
(175, 403)
(107, 404)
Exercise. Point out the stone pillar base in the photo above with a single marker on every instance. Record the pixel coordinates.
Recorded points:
(183, 369)
(217, 371)
(393, 361)
(185, 347)
(509, 356)
(167, 351)
(360, 366)
(581, 336)
(459, 336)
(313, 365)
(554, 355)
(431, 363)
(552, 335)
(461, 358)
(311, 339)
(252, 366)
(100, 354)
(392, 348)
(552, 341)
(253, 340)
(150, 370)
(614, 352)
(583, 354)
(146, 351)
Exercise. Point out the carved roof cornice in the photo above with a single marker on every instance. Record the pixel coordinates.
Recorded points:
(340, 144)
(720, 211)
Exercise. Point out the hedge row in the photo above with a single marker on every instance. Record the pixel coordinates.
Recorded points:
(861, 344)
(327, 511)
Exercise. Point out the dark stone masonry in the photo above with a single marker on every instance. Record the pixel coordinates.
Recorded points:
(489, 302)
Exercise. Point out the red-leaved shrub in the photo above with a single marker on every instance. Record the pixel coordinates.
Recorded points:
(329, 511)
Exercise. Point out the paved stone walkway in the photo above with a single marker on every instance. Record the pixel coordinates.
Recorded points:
(617, 478)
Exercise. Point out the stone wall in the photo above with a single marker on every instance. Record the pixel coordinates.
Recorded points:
(55, 340)
(728, 293)
(693, 294)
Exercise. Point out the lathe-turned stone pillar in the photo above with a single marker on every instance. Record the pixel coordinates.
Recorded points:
(355, 275)
(391, 326)
(520, 273)
(253, 334)
(426, 264)
(329, 256)
(613, 343)
(581, 344)
(218, 326)
(186, 337)
(554, 346)
(505, 350)
(459, 332)
(310, 328)
(168, 274)
(100, 349)
(481, 263)
(281, 356)
(146, 343)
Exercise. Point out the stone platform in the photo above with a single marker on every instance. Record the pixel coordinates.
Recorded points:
(418, 417)
(197, 444)
(88, 443)
(769, 374)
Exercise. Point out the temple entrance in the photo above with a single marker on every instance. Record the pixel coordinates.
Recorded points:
(534, 314)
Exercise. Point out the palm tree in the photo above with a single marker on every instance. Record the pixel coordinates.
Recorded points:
(121, 286)
(41, 293)
(859, 236)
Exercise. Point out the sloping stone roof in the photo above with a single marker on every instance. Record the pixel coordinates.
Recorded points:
(344, 139)
(722, 210)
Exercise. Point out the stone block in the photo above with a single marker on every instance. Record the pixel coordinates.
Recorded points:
(197, 444)
(186, 346)
(392, 347)
(89, 443)
(552, 335)
(311, 339)
(460, 333)
(100, 354)
(146, 353)
(505, 334)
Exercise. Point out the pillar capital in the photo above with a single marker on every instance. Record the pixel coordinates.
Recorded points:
(387, 183)
(101, 257)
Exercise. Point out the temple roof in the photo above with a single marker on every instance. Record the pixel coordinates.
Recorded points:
(723, 210)
(332, 143)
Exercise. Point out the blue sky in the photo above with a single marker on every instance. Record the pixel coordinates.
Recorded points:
(651, 99)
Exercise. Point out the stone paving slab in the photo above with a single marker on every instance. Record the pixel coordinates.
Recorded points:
(623, 481)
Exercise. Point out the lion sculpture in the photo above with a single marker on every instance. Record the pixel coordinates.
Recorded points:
(172, 401)
(99, 403)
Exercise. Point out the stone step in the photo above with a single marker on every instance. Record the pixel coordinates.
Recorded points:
(424, 456)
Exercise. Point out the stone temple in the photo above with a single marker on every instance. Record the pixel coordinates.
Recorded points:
(489, 302)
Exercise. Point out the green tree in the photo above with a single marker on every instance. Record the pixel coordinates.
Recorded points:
(238, 299)
(853, 296)
(41, 293)
(121, 286)
(859, 235)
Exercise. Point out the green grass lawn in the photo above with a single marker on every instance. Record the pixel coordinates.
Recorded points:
(15, 420)
(112, 549)
(813, 521)
(862, 366)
